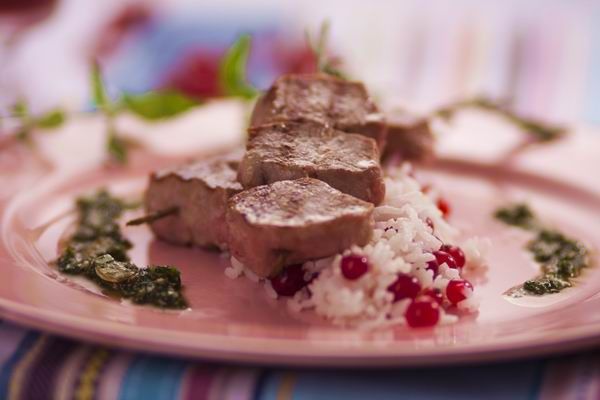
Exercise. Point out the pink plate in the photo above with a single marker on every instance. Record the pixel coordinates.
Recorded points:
(235, 320)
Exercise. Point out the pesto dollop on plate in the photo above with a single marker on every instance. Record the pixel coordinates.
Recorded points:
(97, 250)
(561, 258)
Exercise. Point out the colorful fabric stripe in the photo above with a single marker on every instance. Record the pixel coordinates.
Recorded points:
(10, 365)
(37, 366)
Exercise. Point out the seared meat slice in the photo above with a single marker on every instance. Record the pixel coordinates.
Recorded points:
(289, 222)
(341, 104)
(200, 191)
(408, 138)
(291, 150)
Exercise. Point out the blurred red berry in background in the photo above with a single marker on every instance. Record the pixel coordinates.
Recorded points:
(196, 74)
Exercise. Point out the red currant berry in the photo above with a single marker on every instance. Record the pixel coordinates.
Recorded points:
(435, 294)
(457, 289)
(456, 253)
(354, 266)
(289, 281)
(445, 258)
(405, 287)
(423, 312)
(444, 207)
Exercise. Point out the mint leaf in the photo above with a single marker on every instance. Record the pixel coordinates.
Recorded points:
(50, 120)
(232, 70)
(158, 105)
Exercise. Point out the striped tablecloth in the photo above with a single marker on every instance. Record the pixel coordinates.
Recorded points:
(39, 366)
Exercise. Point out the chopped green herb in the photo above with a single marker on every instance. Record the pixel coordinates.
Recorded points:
(545, 285)
(560, 257)
(158, 105)
(232, 71)
(517, 215)
(97, 250)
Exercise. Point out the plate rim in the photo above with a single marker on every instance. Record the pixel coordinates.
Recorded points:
(277, 351)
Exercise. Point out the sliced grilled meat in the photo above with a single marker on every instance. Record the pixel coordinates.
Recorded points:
(291, 150)
(199, 191)
(289, 222)
(409, 138)
(341, 104)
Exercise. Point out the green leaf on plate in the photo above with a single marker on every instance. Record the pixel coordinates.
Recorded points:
(232, 71)
(158, 105)
(51, 120)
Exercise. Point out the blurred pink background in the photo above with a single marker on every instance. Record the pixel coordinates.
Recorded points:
(543, 55)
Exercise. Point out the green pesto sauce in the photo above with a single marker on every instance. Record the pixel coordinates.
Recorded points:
(97, 250)
(517, 215)
(561, 258)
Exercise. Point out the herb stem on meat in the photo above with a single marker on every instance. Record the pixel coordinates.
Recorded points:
(154, 216)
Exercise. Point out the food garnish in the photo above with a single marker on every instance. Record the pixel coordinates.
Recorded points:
(324, 61)
(97, 250)
(232, 70)
(28, 123)
(517, 215)
(154, 216)
(561, 258)
(153, 105)
(538, 131)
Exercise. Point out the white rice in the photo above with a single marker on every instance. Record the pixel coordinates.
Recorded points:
(235, 269)
(402, 242)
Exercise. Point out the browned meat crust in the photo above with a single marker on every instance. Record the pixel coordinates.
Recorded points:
(289, 222)
(291, 150)
(409, 138)
(200, 190)
(334, 102)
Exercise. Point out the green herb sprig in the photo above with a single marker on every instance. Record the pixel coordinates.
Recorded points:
(152, 106)
(319, 46)
(115, 145)
(158, 105)
(538, 131)
(561, 258)
(28, 123)
(233, 70)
